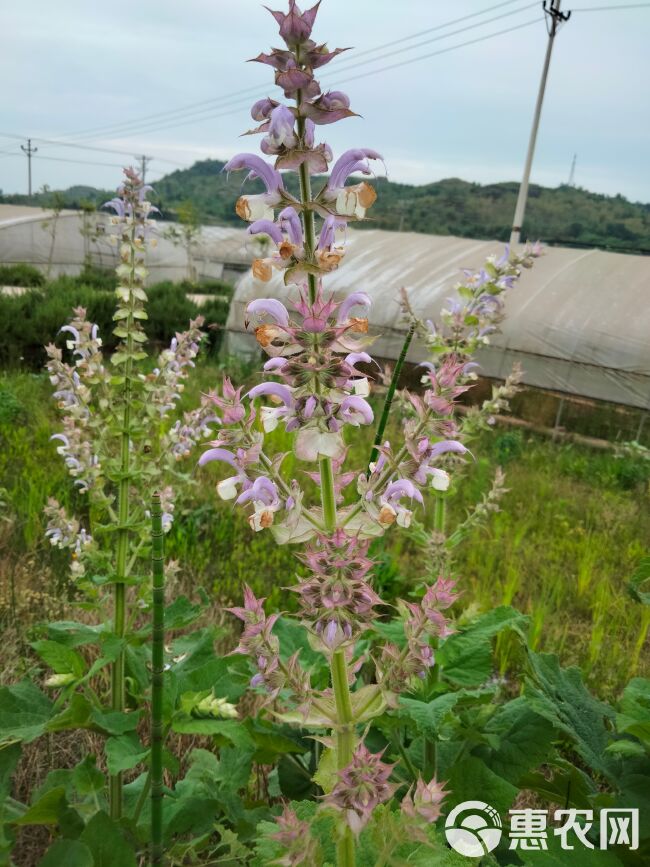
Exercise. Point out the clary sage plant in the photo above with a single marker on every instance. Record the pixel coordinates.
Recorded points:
(121, 438)
(315, 384)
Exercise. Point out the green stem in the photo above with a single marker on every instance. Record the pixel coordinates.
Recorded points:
(157, 680)
(345, 734)
(431, 744)
(119, 591)
(345, 740)
(390, 394)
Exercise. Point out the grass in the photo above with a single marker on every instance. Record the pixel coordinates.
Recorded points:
(571, 530)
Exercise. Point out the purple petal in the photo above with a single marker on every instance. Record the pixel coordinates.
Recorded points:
(266, 227)
(447, 446)
(351, 161)
(271, 307)
(272, 388)
(258, 168)
(290, 223)
(354, 299)
(218, 455)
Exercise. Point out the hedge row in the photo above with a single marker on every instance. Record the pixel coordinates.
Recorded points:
(34, 318)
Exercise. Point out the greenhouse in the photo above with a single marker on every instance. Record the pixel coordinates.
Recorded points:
(60, 244)
(578, 322)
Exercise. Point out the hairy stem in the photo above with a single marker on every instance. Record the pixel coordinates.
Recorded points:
(431, 743)
(119, 592)
(345, 738)
(157, 680)
(390, 394)
(345, 725)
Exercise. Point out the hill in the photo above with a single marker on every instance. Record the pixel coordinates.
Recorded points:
(561, 215)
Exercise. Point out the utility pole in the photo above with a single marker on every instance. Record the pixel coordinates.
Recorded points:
(144, 162)
(556, 18)
(572, 173)
(29, 150)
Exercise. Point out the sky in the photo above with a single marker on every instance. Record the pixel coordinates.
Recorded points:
(90, 74)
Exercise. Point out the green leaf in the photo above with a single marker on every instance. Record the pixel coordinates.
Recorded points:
(124, 752)
(77, 715)
(181, 613)
(71, 853)
(293, 637)
(86, 777)
(115, 722)
(226, 677)
(231, 729)
(429, 716)
(580, 856)
(466, 657)
(47, 809)
(559, 695)
(525, 741)
(61, 659)
(9, 757)
(326, 773)
(634, 716)
(73, 634)
(639, 585)
(24, 712)
(561, 783)
(471, 779)
(106, 843)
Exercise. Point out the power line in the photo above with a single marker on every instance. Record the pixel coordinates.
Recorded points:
(611, 8)
(208, 115)
(445, 50)
(228, 99)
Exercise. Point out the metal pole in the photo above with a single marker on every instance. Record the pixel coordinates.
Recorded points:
(29, 150)
(556, 18)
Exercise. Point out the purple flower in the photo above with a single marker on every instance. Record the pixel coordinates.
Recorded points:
(355, 411)
(295, 26)
(361, 787)
(355, 160)
(260, 206)
(391, 506)
(290, 224)
(354, 299)
(328, 108)
(271, 307)
(280, 133)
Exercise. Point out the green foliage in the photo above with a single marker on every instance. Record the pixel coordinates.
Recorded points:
(34, 318)
(21, 275)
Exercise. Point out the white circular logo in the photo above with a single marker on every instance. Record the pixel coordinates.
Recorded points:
(473, 828)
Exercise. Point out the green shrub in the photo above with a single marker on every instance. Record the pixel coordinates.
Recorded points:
(35, 318)
(20, 275)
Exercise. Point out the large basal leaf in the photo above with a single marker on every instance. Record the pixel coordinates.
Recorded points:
(561, 783)
(579, 856)
(559, 695)
(466, 657)
(24, 712)
(525, 741)
(634, 714)
(472, 780)
(106, 843)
